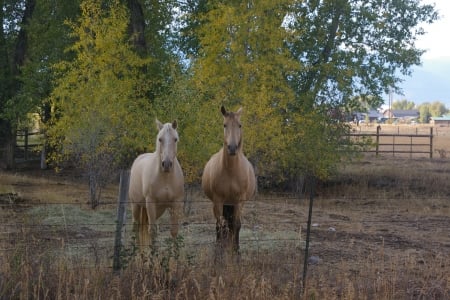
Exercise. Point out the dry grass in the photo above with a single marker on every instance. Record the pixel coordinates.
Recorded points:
(381, 231)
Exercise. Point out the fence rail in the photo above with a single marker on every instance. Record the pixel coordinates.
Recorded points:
(28, 145)
(397, 143)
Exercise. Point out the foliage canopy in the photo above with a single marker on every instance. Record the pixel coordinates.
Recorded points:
(294, 66)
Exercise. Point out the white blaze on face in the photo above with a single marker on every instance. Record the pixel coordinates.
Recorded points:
(167, 140)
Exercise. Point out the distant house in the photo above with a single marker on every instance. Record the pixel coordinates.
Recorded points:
(403, 116)
(372, 116)
(440, 121)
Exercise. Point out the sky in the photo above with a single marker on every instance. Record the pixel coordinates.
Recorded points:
(431, 81)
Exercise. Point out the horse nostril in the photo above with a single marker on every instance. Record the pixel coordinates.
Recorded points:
(166, 164)
(232, 149)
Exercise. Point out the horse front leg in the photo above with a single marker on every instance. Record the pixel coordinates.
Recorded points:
(228, 214)
(175, 216)
(221, 226)
(152, 227)
(236, 227)
(140, 223)
(136, 215)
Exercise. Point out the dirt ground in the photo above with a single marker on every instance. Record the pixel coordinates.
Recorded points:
(378, 220)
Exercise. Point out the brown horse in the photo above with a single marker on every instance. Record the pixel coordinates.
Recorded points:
(229, 180)
(157, 184)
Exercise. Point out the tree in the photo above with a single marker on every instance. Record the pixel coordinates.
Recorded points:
(348, 49)
(15, 49)
(100, 110)
(292, 65)
(428, 110)
(403, 104)
(424, 112)
(437, 109)
(317, 56)
(35, 39)
(243, 61)
(352, 48)
(5, 90)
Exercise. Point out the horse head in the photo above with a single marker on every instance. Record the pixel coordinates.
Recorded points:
(232, 130)
(167, 144)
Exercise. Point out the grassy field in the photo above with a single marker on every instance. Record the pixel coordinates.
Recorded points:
(380, 231)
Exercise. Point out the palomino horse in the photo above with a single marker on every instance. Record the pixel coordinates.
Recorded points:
(157, 184)
(228, 180)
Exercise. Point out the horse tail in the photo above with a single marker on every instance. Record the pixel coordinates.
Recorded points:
(144, 239)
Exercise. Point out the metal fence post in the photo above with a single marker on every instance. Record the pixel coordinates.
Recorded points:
(312, 182)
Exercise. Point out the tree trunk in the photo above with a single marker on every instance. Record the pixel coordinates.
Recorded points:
(94, 190)
(137, 26)
(12, 83)
(7, 145)
(5, 91)
(22, 39)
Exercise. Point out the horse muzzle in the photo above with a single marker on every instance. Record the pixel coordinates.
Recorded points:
(167, 165)
(232, 149)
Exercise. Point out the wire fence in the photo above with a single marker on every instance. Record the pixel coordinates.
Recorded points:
(74, 225)
(272, 234)
(77, 224)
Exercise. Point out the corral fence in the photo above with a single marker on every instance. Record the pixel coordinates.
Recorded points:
(397, 143)
(28, 145)
(96, 238)
(93, 238)
(121, 219)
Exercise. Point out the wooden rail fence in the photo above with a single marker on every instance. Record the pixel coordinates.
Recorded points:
(28, 145)
(397, 143)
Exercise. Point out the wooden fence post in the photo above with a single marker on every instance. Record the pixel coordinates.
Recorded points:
(378, 140)
(121, 217)
(25, 147)
(431, 142)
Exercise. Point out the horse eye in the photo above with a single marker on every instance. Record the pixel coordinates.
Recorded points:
(175, 139)
(224, 125)
(160, 140)
(240, 125)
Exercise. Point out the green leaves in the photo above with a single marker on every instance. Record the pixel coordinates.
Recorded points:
(98, 98)
(243, 61)
(290, 64)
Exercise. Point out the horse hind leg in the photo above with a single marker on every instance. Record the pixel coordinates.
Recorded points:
(175, 215)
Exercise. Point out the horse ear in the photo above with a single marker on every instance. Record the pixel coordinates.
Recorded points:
(239, 111)
(223, 110)
(174, 124)
(159, 124)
